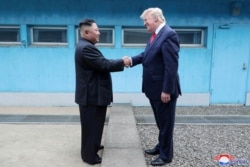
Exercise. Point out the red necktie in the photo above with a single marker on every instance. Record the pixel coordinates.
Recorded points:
(152, 37)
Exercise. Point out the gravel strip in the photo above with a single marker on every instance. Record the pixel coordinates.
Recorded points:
(210, 110)
(196, 145)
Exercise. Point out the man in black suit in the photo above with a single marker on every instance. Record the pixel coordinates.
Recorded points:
(93, 89)
(160, 80)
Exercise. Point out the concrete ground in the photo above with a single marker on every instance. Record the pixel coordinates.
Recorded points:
(40, 145)
(57, 144)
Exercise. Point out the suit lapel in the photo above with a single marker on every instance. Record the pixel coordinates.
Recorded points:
(149, 46)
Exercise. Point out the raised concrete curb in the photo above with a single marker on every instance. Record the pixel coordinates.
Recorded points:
(122, 141)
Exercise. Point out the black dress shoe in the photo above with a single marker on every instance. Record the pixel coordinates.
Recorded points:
(101, 147)
(152, 151)
(159, 162)
(97, 160)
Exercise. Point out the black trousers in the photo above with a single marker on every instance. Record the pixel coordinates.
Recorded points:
(92, 123)
(164, 114)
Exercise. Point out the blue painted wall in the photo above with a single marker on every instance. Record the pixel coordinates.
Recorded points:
(51, 69)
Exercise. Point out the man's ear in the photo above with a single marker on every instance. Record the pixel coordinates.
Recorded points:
(156, 19)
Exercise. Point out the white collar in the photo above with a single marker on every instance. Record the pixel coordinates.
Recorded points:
(159, 28)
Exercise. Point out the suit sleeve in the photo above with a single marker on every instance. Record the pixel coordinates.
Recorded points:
(137, 59)
(170, 49)
(94, 58)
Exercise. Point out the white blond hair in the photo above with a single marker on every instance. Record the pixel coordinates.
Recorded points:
(155, 13)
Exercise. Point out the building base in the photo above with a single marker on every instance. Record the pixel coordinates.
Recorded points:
(67, 99)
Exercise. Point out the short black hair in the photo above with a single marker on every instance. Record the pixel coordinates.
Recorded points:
(87, 22)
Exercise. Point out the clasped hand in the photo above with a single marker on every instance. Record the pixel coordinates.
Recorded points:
(126, 61)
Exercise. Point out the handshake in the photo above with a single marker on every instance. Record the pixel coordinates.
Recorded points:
(127, 61)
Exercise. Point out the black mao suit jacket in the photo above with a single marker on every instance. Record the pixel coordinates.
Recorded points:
(160, 65)
(93, 79)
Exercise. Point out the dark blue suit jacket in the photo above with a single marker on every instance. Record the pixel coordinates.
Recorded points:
(160, 65)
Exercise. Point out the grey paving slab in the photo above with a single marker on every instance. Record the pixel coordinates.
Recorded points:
(122, 157)
(122, 142)
(121, 136)
(40, 146)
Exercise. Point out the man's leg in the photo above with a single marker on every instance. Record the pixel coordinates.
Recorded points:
(165, 115)
(92, 122)
(100, 120)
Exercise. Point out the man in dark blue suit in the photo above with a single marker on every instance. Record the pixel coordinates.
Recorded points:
(160, 80)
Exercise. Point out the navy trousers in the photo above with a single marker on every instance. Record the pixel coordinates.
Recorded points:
(164, 114)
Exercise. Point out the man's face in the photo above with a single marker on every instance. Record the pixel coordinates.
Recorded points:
(93, 33)
(150, 23)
